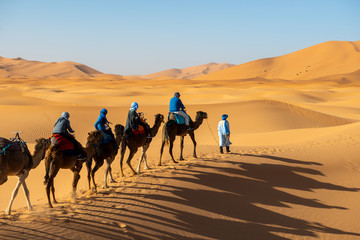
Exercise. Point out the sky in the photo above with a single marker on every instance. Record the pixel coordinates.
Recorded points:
(136, 37)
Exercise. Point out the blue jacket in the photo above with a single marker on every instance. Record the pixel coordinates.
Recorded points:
(101, 122)
(176, 105)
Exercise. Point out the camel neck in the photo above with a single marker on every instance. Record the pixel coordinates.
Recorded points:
(38, 156)
(198, 122)
(155, 128)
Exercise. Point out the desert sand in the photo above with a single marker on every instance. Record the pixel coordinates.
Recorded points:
(294, 170)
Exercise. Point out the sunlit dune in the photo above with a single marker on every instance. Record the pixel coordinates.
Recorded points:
(294, 170)
(325, 59)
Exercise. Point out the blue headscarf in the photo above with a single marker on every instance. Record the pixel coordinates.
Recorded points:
(224, 116)
(103, 112)
(134, 106)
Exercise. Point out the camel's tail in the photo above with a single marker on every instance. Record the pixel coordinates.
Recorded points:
(166, 138)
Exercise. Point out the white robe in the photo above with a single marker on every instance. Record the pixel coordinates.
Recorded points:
(223, 130)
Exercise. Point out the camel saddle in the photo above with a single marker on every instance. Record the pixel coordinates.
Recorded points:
(139, 131)
(63, 143)
(179, 119)
(7, 145)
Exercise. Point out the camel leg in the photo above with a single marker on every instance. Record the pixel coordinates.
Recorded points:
(20, 182)
(192, 136)
(170, 151)
(76, 171)
(110, 171)
(145, 161)
(53, 171)
(53, 192)
(181, 147)
(88, 166)
(123, 150)
(141, 159)
(161, 151)
(98, 164)
(27, 195)
(131, 155)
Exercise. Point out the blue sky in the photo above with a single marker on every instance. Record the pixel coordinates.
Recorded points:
(140, 37)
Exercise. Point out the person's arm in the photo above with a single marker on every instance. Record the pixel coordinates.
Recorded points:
(97, 123)
(181, 105)
(227, 127)
(68, 127)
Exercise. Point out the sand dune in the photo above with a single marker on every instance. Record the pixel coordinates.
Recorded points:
(293, 172)
(188, 73)
(18, 67)
(325, 59)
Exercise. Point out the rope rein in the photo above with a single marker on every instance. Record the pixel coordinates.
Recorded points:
(217, 142)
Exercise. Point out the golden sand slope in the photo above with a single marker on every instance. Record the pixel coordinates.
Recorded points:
(325, 59)
(18, 67)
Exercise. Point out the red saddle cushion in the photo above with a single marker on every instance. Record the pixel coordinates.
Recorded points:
(140, 130)
(63, 143)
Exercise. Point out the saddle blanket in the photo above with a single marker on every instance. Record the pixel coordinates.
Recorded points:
(62, 142)
(179, 119)
(140, 130)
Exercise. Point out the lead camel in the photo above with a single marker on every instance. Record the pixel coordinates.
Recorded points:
(172, 129)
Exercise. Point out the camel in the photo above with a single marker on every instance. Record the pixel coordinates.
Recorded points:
(56, 160)
(133, 142)
(19, 163)
(99, 152)
(172, 129)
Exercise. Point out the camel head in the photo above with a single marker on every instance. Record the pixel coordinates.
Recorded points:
(119, 130)
(42, 144)
(200, 115)
(159, 118)
(94, 137)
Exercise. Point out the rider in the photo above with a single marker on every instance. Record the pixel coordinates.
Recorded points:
(102, 124)
(63, 128)
(133, 121)
(177, 107)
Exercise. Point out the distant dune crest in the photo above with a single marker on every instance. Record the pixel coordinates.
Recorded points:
(325, 59)
(315, 62)
(190, 72)
(19, 67)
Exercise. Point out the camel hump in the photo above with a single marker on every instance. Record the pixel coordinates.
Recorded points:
(7, 145)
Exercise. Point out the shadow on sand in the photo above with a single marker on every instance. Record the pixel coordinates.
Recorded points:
(208, 201)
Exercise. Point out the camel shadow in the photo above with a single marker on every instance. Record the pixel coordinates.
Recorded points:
(201, 201)
(282, 159)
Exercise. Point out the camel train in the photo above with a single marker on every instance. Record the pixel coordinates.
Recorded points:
(16, 160)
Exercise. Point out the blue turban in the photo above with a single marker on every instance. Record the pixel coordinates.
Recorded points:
(134, 106)
(224, 116)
